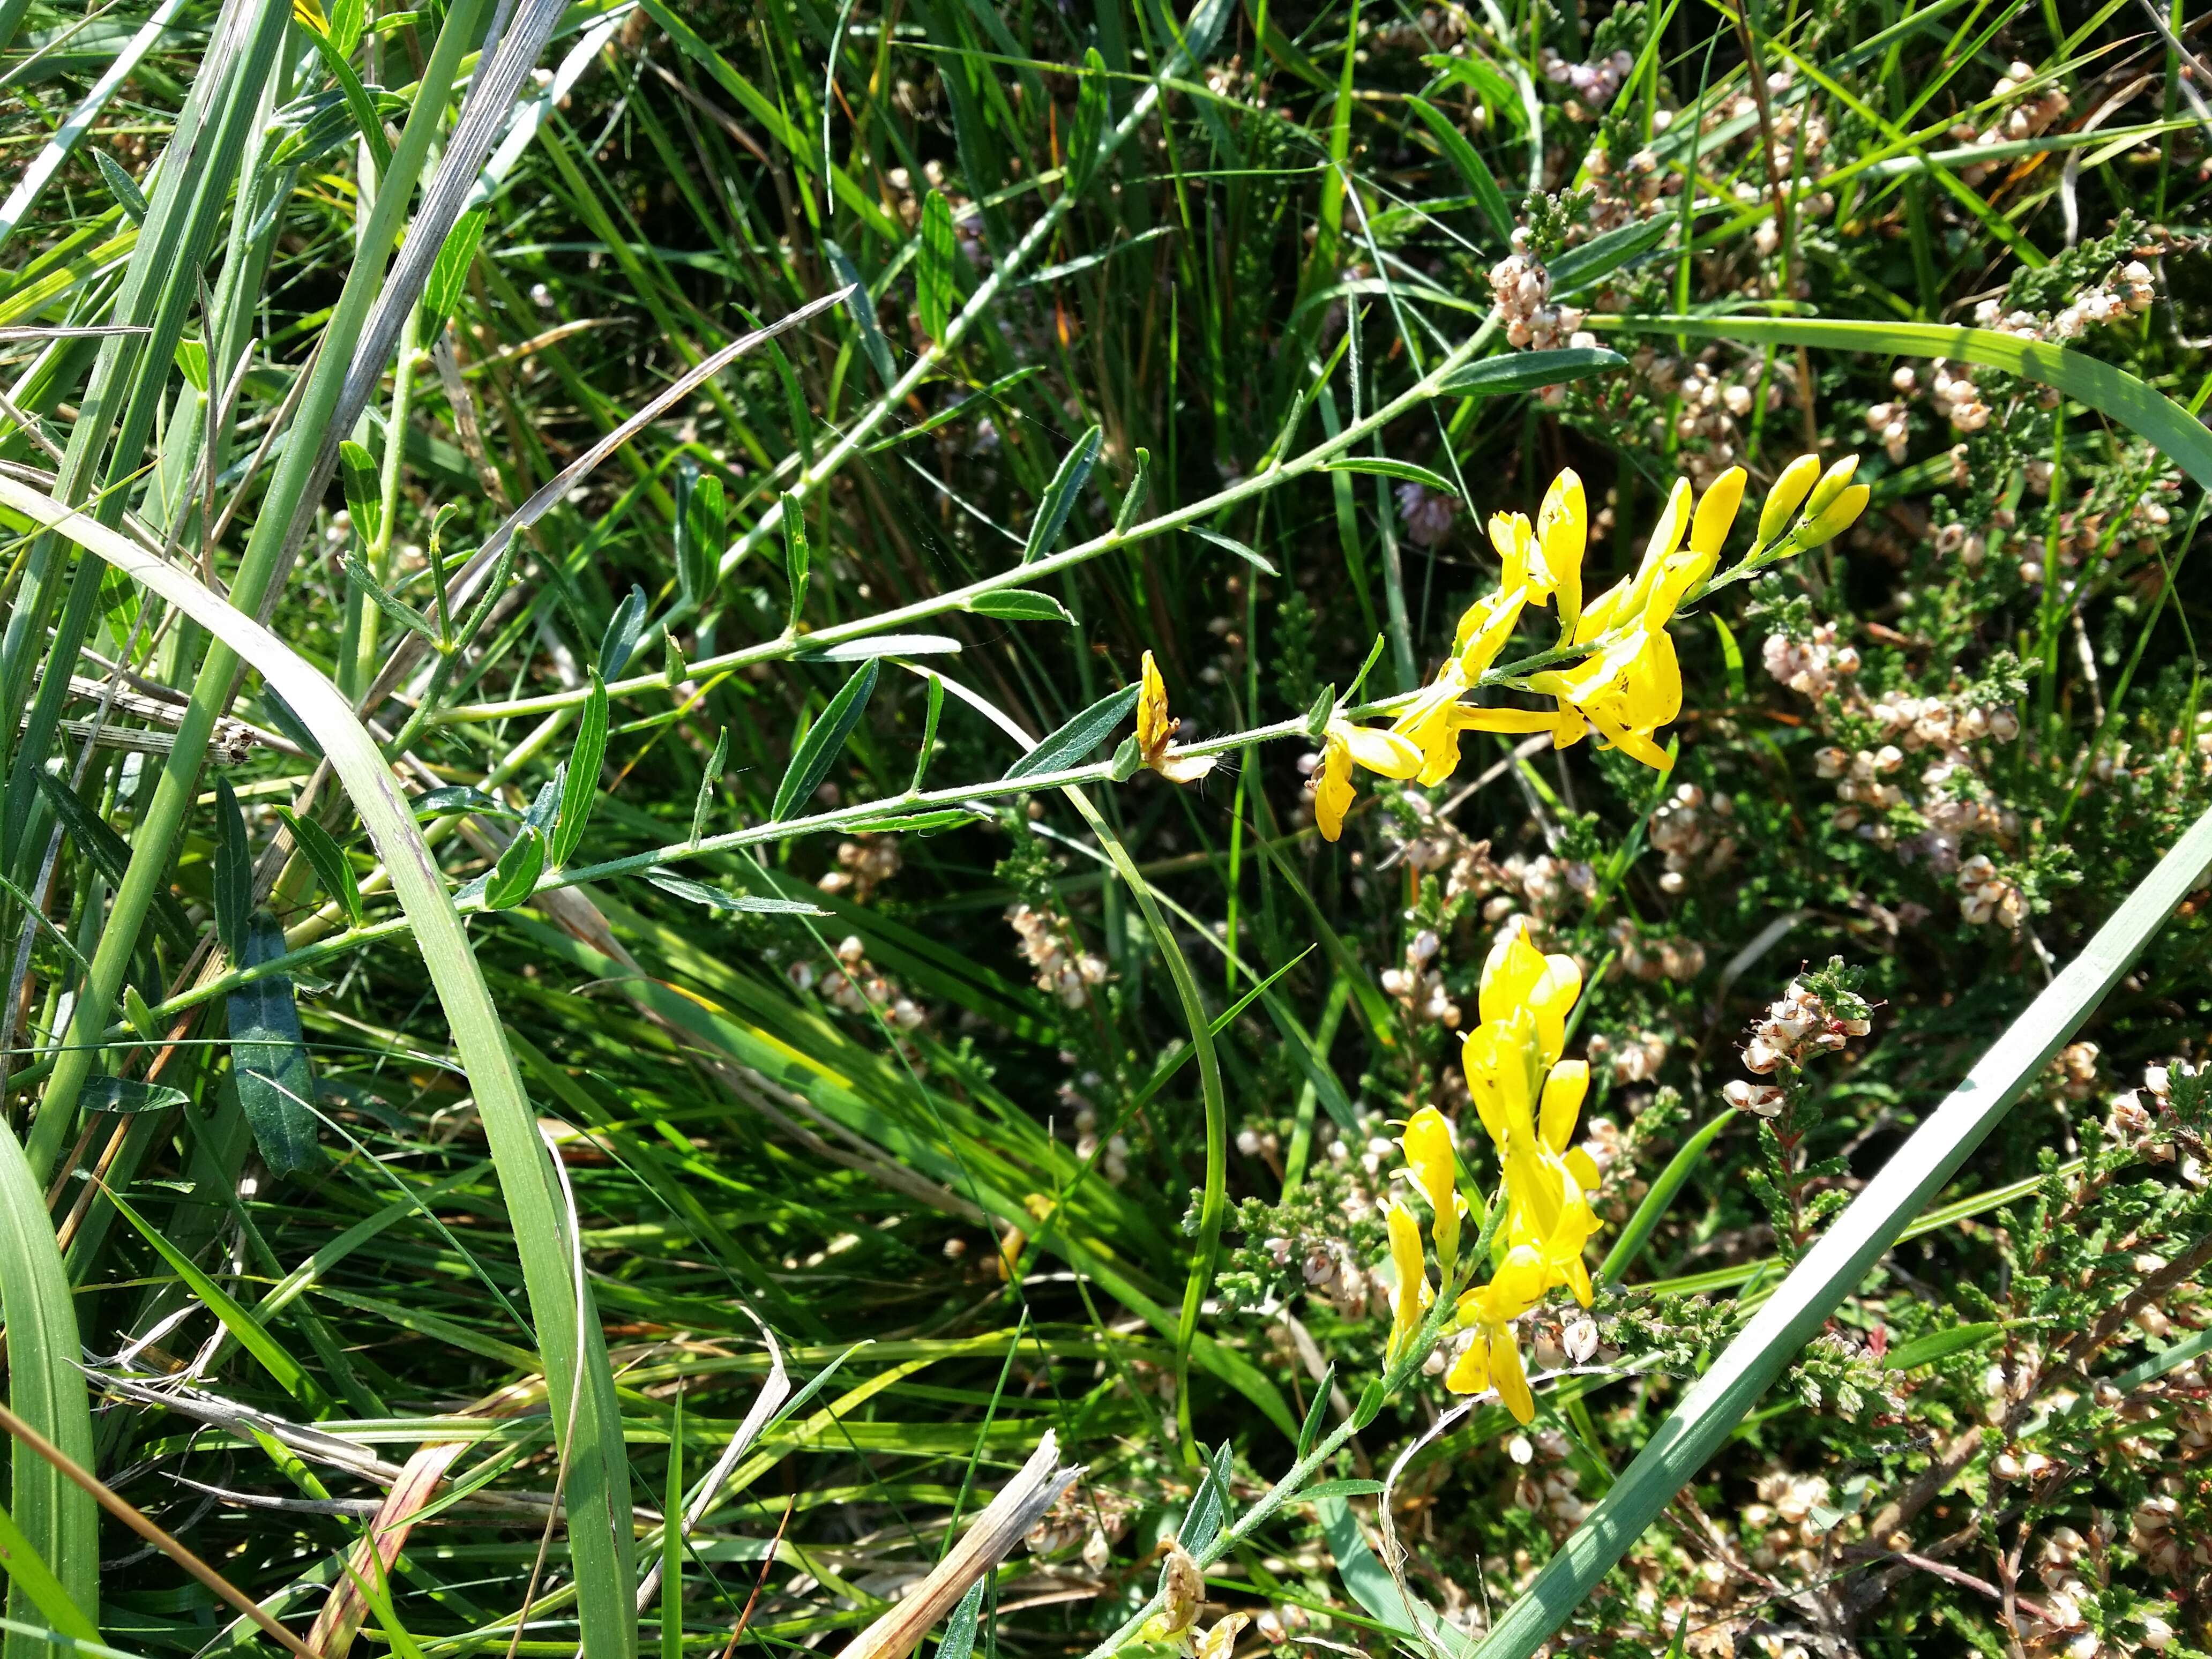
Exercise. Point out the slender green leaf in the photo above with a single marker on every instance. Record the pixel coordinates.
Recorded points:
(938, 298)
(1020, 605)
(818, 749)
(123, 1094)
(1405, 471)
(1530, 371)
(624, 630)
(232, 872)
(328, 861)
(581, 783)
(514, 877)
(732, 903)
(1060, 495)
(1480, 183)
(1072, 744)
(364, 490)
(449, 275)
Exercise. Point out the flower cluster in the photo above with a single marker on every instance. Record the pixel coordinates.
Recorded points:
(2033, 110)
(855, 985)
(1523, 288)
(1528, 1099)
(864, 864)
(1800, 1023)
(1629, 683)
(2125, 292)
(1069, 974)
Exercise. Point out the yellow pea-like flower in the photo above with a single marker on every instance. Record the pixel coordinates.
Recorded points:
(1492, 1360)
(1380, 751)
(1562, 536)
(1517, 976)
(1432, 1167)
(1410, 1297)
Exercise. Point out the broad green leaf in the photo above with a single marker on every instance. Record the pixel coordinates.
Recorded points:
(514, 877)
(934, 267)
(817, 751)
(1020, 605)
(349, 18)
(1941, 1345)
(1481, 184)
(1529, 371)
(275, 1086)
(702, 531)
(1382, 468)
(128, 197)
(1209, 1505)
(1071, 744)
(232, 872)
(581, 786)
(364, 490)
(406, 616)
(1060, 495)
(123, 1094)
(1316, 1413)
(191, 359)
(958, 1641)
(331, 867)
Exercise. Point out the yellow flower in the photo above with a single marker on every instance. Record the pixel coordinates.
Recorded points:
(1492, 1359)
(1155, 730)
(1563, 534)
(1632, 687)
(1716, 512)
(1546, 558)
(1626, 596)
(1433, 1168)
(1413, 1294)
(1837, 516)
(1380, 751)
(1519, 975)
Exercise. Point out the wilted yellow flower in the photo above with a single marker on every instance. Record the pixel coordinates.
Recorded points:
(1155, 730)
(1380, 751)
(1433, 1168)
(1413, 1294)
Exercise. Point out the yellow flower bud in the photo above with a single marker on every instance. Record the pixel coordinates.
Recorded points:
(1837, 516)
(1833, 483)
(1787, 496)
(1716, 512)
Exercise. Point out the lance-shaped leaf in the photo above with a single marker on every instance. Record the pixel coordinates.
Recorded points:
(364, 490)
(449, 276)
(1019, 604)
(710, 781)
(581, 782)
(703, 530)
(935, 294)
(1089, 124)
(797, 559)
(274, 1084)
(515, 878)
(625, 629)
(1072, 744)
(1060, 495)
(123, 1094)
(1480, 183)
(714, 898)
(328, 861)
(90, 834)
(817, 749)
(1530, 371)
(233, 876)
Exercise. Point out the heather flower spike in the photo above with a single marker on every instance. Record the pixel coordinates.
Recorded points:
(1155, 730)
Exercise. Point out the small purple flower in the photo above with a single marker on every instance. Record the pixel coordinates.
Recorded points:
(1429, 514)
